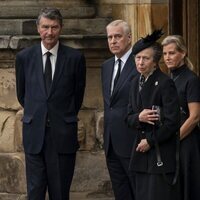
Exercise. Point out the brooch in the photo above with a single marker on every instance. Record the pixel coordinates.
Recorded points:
(156, 83)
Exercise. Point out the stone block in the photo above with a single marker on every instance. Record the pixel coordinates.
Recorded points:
(93, 93)
(8, 98)
(76, 41)
(4, 196)
(70, 26)
(85, 26)
(69, 9)
(86, 133)
(11, 27)
(104, 10)
(4, 41)
(99, 128)
(18, 131)
(92, 42)
(12, 174)
(20, 42)
(7, 129)
(6, 55)
(91, 173)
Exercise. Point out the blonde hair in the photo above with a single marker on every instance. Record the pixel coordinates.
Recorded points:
(180, 46)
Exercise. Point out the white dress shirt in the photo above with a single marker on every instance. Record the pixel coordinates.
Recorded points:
(124, 58)
(53, 57)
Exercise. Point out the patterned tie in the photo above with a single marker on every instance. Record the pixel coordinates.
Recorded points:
(141, 82)
(48, 73)
(118, 72)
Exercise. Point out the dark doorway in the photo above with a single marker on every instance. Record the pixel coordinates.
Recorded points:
(184, 19)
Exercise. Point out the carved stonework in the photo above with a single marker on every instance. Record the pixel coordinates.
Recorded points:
(99, 128)
(18, 131)
(7, 137)
(7, 90)
(87, 130)
(12, 173)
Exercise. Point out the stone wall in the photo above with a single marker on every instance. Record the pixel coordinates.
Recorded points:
(84, 29)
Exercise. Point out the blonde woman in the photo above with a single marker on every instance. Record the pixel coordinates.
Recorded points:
(188, 87)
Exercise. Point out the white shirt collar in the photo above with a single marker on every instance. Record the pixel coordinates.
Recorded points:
(54, 50)
(124, 58)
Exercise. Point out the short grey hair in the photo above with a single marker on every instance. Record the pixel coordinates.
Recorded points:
(50, 13)
(119, 22)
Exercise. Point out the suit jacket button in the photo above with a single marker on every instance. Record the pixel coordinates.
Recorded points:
(48, 122)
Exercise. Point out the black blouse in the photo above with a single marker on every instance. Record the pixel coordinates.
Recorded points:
(188, 87)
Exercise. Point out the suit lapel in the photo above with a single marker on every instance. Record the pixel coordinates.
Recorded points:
(124, 76)
(61, 58)
(108, 79)
(37, 59)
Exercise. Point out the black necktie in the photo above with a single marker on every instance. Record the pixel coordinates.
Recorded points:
(142, 80)
(48, 73)
(118, 72)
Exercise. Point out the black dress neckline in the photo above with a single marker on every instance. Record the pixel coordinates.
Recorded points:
(175, 73)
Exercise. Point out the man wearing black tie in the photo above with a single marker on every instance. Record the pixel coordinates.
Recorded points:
(50, 81)
(117, 73)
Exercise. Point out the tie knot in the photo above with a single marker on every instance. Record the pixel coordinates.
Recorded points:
(119, 61)
(48, 53)
(119, 65)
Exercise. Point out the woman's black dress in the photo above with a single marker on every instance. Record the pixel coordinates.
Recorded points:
(150, 183)
(188, 87)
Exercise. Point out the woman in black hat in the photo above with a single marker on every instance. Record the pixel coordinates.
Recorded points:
(153, 114)
(188, 86)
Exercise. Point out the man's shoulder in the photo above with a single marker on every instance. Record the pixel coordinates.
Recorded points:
(109, 60)
(28, 50)
(70, 50)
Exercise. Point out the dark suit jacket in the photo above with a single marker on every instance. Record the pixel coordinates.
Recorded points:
(159, 90)
(62, 104)
(115, 107)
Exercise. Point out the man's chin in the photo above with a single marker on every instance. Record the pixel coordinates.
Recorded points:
(115, 51)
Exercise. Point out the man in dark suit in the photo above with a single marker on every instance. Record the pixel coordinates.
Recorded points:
(50, 80)
(118, 138)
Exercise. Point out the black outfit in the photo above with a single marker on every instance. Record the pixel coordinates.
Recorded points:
(188, 86)
(158, 90)
(118, 138)
(50, 119)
